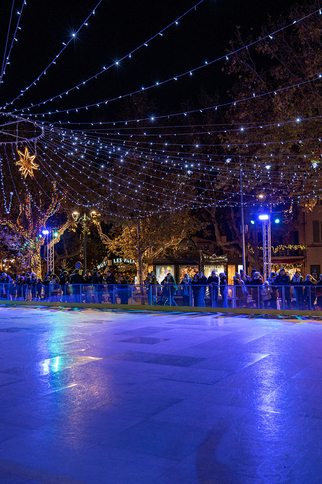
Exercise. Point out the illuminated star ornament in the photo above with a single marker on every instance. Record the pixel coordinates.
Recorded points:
(26, 163)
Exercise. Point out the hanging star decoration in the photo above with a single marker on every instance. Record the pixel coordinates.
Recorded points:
(26, 163)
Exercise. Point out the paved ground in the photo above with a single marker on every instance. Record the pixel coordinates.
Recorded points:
(111, 397)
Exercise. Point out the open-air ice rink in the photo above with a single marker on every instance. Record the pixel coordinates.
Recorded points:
(92, 396)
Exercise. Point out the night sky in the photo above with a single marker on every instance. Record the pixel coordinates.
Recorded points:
(116, 29)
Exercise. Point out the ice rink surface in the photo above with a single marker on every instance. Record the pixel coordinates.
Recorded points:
(111, 397)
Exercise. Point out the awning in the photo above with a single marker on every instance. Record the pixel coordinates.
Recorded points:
(287, 260)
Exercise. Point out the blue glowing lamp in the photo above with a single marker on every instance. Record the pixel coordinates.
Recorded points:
(252, 222)
(264, 216)
(277, 220)
(45, 232)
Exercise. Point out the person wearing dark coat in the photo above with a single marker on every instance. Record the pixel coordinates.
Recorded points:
(309, 292)
(202, 293)
(274, 291)
(195, 289)
(32, 285)
(76, 279)
(256, 281)
(244, 277)
(319, 293)
(240, 290)
(63, 282)
(185, 283)
(223, 281)
(98, 287)
(283, 279)
(213, 282)
(123, 290)
(297, 283)
(169, 288)
(110, 281)
(45, 283)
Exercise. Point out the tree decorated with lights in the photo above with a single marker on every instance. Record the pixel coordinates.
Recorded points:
(25, 233)
(143, 239)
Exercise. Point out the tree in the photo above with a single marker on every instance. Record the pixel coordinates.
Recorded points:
(274, 132)
(142, 239)
(24, 234)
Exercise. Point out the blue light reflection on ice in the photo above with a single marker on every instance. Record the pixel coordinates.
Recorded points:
(50, 365)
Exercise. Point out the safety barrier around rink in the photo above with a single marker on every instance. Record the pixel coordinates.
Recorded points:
(277, 300)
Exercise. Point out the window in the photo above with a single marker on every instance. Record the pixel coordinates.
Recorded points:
(316, 231)
(296, 237)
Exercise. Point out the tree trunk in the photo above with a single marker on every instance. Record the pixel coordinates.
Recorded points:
(35, 260)
(140, 254)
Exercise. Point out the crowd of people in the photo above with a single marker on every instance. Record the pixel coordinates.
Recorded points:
(250, 291)
(306, 292)
(93, 284)
(247, 291)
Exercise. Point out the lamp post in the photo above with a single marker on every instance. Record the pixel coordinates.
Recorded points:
(242, 215)
(84, 219)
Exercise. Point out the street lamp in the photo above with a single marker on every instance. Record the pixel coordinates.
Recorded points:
(84, 219)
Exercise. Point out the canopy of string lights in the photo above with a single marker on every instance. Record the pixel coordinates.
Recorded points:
(142, 163)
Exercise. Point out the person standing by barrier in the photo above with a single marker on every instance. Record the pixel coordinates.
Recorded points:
(153, 287)
(297, 283)
(266, 294)
(185, 283)
(195, 289)
(282, 281)
(319, 293)
(39, 289)
(274, 291)
(240, 291)
(63, 281)
(46, 287)
(122, 289)
(213, 282)
(32, 285)
(309, 292)
(55, 288)
(170, 283)
(202, 293)
(256, 282)
(88, 286)
(244, 277)
(98, 287)
(26, 287)
(110, 281)
(223, 289)
(76, 279)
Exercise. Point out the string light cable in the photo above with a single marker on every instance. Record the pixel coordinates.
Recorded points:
(102, 71)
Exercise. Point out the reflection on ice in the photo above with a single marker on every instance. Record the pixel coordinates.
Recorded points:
(53, 365)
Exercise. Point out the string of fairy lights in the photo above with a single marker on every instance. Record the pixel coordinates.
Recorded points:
(129, 55)
(6, 55)
(55, 59)
(129, 169)
(175, 78)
